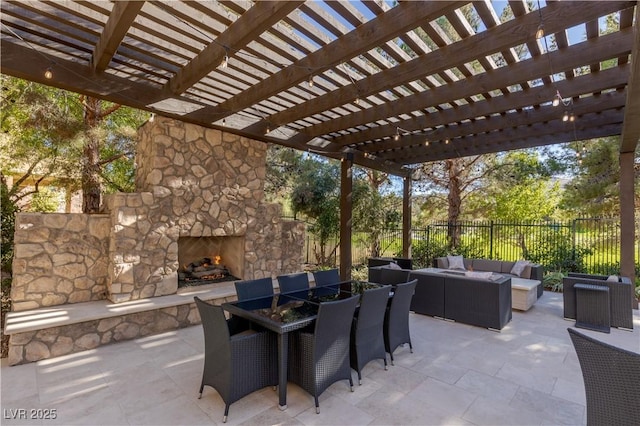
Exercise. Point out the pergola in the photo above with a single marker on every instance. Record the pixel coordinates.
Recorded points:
(383, 85)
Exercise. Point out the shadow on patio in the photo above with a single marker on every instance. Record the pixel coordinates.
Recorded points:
(458, 374)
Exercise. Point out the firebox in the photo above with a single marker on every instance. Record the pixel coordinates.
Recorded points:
(205, 260)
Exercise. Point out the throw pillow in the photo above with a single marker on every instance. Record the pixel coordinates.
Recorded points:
(393, 265)
(518, 267)
(456, 262)
(613, 278)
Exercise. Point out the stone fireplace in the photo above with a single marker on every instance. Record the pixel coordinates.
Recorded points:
(199, 192)
(78, 278)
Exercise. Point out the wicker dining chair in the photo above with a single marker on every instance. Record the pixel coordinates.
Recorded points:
(236, 362)
(251, 289)
(611, 381)
(326, 277)
(396, 321)
(321, 358)
(291, 283)
(367, 338)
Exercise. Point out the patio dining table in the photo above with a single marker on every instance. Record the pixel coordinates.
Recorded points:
(283, 313)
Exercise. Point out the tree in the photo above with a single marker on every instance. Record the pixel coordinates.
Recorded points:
(317, 195)
(108, 136)
(453, 180)
(47, 132)
(593, 191)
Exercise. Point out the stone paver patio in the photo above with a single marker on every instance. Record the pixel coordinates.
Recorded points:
(527, 374)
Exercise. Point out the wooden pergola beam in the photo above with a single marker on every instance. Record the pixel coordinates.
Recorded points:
(258, 19)
(398, 20)
(589, 126)
(605, 101)
(495, 39)
(117, 26)
(515, 74)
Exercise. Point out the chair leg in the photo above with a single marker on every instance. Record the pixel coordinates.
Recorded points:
(391, 358)
(359, 378)
(351, 381)
(410, 347)
(385, 364)
(201, 389)
(317, 405)
(226, 413)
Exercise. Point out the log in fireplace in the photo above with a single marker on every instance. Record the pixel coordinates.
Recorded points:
(206, 260)
(204, 271)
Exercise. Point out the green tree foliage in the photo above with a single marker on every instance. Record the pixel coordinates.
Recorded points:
(594, 190)
(520, 188)
(317, 195)
(50, 134)
(46, 200)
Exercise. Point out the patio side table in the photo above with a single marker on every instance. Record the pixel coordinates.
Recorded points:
(592, 307)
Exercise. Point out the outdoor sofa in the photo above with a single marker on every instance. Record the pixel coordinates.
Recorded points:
(454, 296)
(532, 271)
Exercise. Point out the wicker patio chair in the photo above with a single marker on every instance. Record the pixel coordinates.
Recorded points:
(291, 283)
(236, 362)
(611, 381)
(396, 321)
(251, 289)
(620, 297)
(367, 339)
(319, 359)
(326, 277)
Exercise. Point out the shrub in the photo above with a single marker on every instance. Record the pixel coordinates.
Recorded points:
(553, 281)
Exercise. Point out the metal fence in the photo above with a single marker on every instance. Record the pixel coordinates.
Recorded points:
(581, 245)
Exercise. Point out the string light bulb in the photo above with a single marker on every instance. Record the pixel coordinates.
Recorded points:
(225, 62)
(572, 117)
(557, 98)
(540, 32)
(565, 117)
(357, 101)
(311, 81)
(48, 74)
(446, 141)
(426, 143)
(396, 137)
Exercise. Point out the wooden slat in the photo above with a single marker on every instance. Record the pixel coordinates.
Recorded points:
(598, 81)
(250, 25)
(553, 132)
(547, 113)
(500, 38)
(574, 56)
(122, 16)
(399, 19)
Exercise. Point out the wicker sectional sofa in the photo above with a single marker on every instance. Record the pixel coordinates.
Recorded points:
(532, 271)
(454, 296)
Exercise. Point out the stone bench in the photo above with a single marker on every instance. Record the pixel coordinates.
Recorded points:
(60, 330)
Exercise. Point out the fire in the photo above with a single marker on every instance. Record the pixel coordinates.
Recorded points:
(216, 260)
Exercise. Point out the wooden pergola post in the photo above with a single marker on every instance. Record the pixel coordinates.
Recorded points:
(627, 218)
(406, 217)
(346, 207)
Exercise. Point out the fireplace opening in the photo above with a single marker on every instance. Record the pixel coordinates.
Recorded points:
(207, 260)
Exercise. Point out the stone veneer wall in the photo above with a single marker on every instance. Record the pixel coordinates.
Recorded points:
(194, 182)
(59, 258)
(57, 341)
